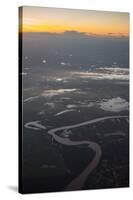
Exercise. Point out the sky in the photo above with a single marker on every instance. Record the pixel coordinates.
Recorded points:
(57, 20)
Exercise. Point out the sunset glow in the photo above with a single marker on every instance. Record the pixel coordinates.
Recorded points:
(54, 20)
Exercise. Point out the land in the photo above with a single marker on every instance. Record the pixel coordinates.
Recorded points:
(75, 116)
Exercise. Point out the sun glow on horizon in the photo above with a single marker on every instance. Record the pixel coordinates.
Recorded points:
(54, 20)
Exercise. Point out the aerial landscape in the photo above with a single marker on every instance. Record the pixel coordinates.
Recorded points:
(75, 99)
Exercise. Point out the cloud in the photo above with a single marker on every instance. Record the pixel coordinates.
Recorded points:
(103, 73)
(51, 93)
(117, 104)
(78, 34)
(71, 33)
(75, 33)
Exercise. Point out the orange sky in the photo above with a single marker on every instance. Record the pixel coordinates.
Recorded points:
(39, 19)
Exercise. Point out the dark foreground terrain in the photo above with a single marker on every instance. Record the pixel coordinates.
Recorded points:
(75, 113)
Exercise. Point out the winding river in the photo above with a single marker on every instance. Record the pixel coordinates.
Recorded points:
(79, 181)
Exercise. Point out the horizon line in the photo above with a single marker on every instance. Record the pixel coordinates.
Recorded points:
(78, 33)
